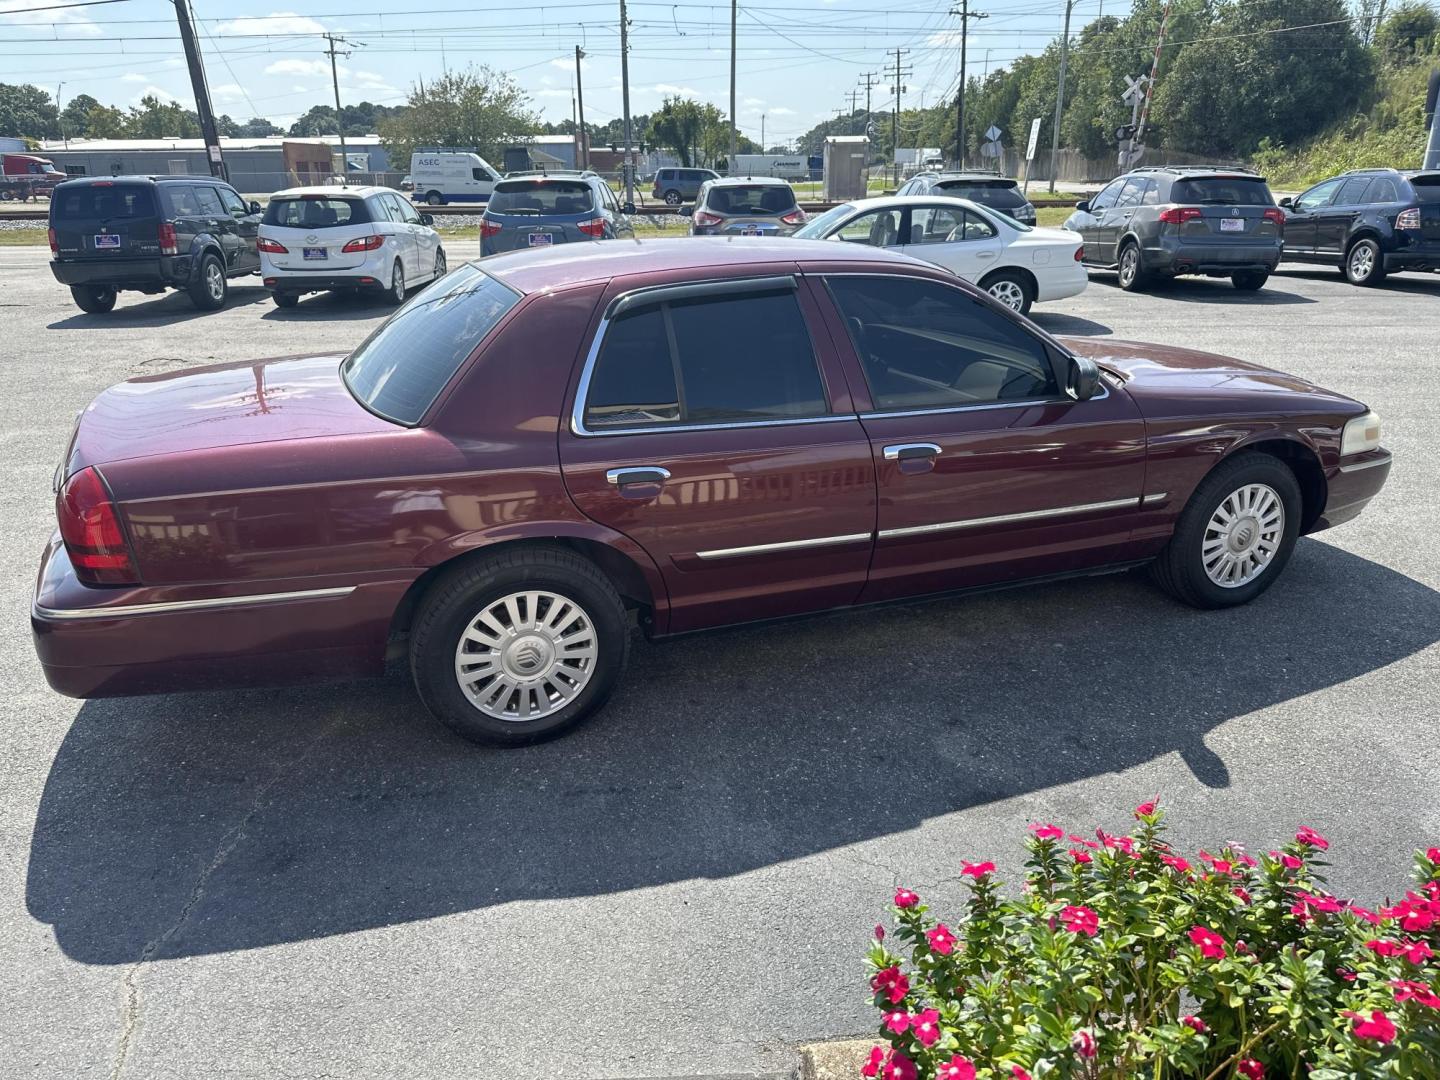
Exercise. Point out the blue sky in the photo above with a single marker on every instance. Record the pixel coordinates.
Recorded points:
(798, 59)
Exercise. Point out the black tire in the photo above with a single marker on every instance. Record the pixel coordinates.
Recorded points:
(208, 287)
(7, 194)
(456, 600)
(96, 299)
(672, 198)
(1133, 275)
(285, 299)
(1011, 288)
(441, 266)
(1250, 280)
(434, 198)
(395, 294)
(1364, 263)
(1180, 569)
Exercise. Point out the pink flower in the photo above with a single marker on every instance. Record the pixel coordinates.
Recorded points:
(898, 1021)
(1018, 1073)
(1080, 920)
(1417, 952)
(1310, 838)
(977, 870)
(1378, 1027)
(1433, 854)
(957, 1068)
(899, 1067)
(1194, 1023)
(890, 983)
(1212, 945)
(1417, 992)
(1381, 947)
(1083, 1043)
(1242, 894)
(1325, 904)
(1176, 863)
(941, 939)
(1250, 1069)
(1145, 809)
(1080, 855)
(904, 898)
(1346, 974)
(1047, 832)
(879, 932)
(1366, 914)
(877, 1059)
(1291, 862)
(926, 1027)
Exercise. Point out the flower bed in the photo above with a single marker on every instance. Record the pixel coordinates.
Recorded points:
(1124, 958)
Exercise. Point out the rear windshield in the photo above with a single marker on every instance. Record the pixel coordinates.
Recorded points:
(1001, 194)
(1222, 190)
(104, 201)
(541, 197)
(751, 199)
(316, 212)
(400, 369)
(1427, 186)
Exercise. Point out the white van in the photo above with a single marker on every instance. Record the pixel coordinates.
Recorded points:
(446, 176)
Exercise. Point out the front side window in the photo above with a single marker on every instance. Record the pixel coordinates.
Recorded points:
(1132, 193)
(234, 205)
(1106, 198)
(818, 228)
(924, 345)
(675, 363)
(1318, 196)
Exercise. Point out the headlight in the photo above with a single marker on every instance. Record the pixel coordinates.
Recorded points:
(1361, 434)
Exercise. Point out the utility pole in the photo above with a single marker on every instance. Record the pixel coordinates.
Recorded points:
(628, 168)
(899, 72)
(734, 133)
(582, 154)
(339, 120)
(201, 89)
(1060, 96)
(853, 96)
(60, 116)
(762, 133)
(869, 78)
(965, 16)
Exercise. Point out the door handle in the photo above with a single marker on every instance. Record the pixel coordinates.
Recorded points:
(985, 254)
(909, 451)
(637, 474)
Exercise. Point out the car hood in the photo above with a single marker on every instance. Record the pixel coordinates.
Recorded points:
(224, 405)
(1146, 368)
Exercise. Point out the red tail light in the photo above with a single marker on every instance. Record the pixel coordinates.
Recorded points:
(1275, 216)
(364, 243)
(795, 217)
(1406, 219)
(91, 531)
(488, 227)
(272, 247)
(54, 247)
(594, 227)
(168, 244)
(700, 217)
(1080, 253)
(1178, 215)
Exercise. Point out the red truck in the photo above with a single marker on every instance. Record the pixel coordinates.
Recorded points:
(25, 176)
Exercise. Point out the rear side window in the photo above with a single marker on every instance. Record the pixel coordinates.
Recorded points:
(1002, 195)
(105, 201)
(316, 212)
(1222, 190)
(1352, 192)
(675, 363)
(400, 369)
(765, 199)
(542, 197)
(1382, 191)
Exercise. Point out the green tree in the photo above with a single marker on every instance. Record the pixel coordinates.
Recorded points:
(156, 119)
(679, 126)
(476, 107)
(257, 127)
(26, 110)
(1409, 30)
(75, 118)
(105, 122)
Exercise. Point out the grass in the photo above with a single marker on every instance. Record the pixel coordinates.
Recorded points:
(24, 237)
(1053, 216)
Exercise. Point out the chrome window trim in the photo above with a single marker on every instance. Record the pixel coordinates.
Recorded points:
(213, 603)
(888, 414)
(785, 545)
(1003, 519)
(1358, 466)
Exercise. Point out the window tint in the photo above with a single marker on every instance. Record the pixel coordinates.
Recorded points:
(1382, 190)
(757, 199)
(677, 363)
(234, 205)
(934, 224)
(1318, 196)
(1427, 187)
(1001, 194)
(878, 228)
(400, 369)
(1352, 192)
(1133, 192)
(1222, 191)
(926, 345)
(104, 200)
(1107, 197)
(182, 200)
(976, 228)
(316, 212)
(542, 197)
(400, 211)
(209, 200)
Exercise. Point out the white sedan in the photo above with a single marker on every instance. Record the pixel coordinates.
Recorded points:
(1017, 264)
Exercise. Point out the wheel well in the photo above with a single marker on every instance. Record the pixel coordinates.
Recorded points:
(1019, 271)
(1366, 233)
(1308, 474)
(624, 575)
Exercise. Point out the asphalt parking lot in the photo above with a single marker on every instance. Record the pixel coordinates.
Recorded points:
(320, 881)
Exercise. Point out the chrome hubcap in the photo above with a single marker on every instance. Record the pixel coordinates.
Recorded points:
(1127, 265)
(1008, 293)
(215, 281)
(1243, 535)
(1362, 260)
(526, 656)
(397, 281)
(440, 265)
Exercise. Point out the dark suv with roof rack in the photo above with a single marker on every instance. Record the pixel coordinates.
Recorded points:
(1368, 222)
(988, 189)
(149, 234)
(1155, 223)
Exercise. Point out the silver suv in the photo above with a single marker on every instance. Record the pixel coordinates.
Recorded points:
(745, 206)
(988, 189)
(676, 186)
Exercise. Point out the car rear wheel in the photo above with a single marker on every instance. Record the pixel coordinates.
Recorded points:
(1234, 536)
(208, 287)
(520, 646)
(96, 299)
(439, 263)
(1364, 265)
(1011, 288)
(672, 198)
(1133, 275)
(1249, 280)
(434, 198)
(285, 299)
(395, 294)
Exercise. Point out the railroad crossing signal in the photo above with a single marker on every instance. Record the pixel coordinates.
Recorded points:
(1134, 88)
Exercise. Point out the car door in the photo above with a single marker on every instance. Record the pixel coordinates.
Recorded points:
(987, 469)
(1300, 217)
(743, 472)
(247, 228)
(955, 238)
(425, 240)
(1114, 220)
(220, 225)
(1333, 221)
(403, 236)
(874, 228)
(183, 211)
(1090, 224)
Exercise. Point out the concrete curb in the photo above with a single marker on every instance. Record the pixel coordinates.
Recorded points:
(839, 1059)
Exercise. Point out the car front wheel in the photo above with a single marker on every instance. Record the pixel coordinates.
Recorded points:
(519, 646)
(1364, 264)
(1234, 536)
(672, 198)
(96, 299)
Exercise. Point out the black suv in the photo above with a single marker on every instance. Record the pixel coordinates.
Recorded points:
(1369, 222)
(988, 189)
(1160, 222)
(149, 234)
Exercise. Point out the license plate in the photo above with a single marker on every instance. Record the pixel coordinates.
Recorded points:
(751, 230)
(541, 239)
(316, 253)
(107, 240)
(1232, 224)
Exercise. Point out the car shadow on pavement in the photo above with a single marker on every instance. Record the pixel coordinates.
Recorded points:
(332, 307)
(1424, 284)
(1201, 290)
(202, 823)
(1055, 323)
(164, 310)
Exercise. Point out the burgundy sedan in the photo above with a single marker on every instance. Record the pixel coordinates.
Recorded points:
(540, 452)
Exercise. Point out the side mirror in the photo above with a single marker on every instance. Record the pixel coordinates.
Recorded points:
(1083, 207)
(426, 219)
(628, 208)
(254, 207)
(1084, 378)
(1287, 201)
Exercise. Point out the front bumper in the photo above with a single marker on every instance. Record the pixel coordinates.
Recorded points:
(156, 272)
(1351, 486)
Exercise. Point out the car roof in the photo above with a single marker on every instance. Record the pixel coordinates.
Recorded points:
(332, 190)
(879, 202)
(749, 181)
(536, 269)
(134, 178)
(973, 176)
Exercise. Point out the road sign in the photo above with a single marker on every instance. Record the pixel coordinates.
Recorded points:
(1034, 139)
(993, 133)
(991, 149)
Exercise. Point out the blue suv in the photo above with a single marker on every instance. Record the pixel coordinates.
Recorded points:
(558, 208)
(1369, 223)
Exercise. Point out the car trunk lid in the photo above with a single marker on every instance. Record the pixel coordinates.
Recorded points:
(105, 219)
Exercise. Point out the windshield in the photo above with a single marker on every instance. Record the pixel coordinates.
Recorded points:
(1001, 194)
(751, 199)
(316, 212)
(541, 197)
(104, 201)
(1222, 191)
(400, 369)
(817, 227)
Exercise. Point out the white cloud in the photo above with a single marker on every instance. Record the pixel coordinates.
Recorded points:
(782, 111)
(228, 92)
(298, 89)
(754, 101)
(569, 65)
(282, 22)
(135, 77)
(156, 91)
(370, 80)
(298, 67)
(675, 91)
(65, 23)
(554, 92)
(944, 37)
